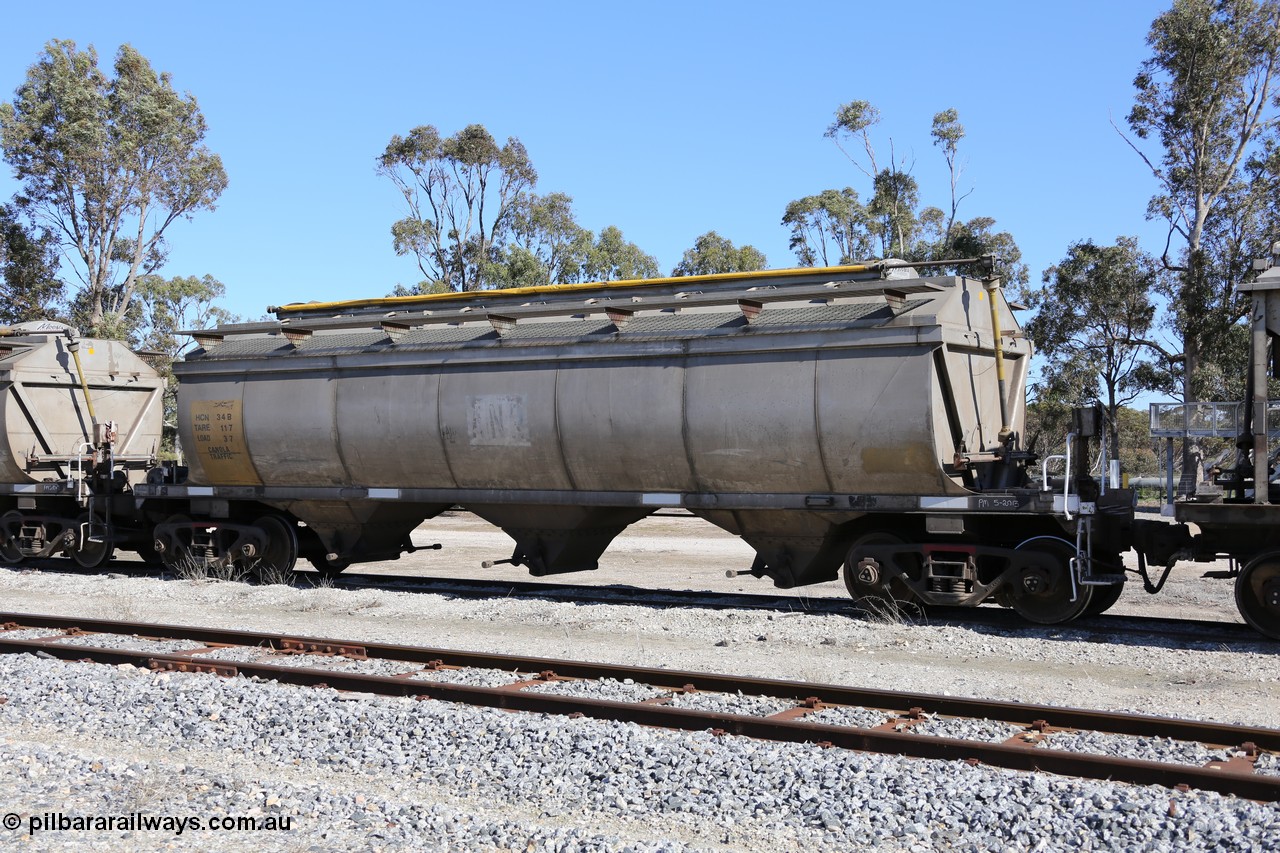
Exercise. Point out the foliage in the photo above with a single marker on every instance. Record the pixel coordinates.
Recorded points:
(947, 133)
(712, 253)
(29, 284)
(836, 226)
(612, 258)
(474, 220)
(420, 289)
(546, 244)
(171, 306)
(891, 212)
(1092, 320)
(1139, 452)
(1207, 94)
(463, 192)
(830, 228)
(107, 164)
(973, 239)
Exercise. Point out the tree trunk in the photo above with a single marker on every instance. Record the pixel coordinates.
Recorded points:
(1191, 453)
(1113, 426)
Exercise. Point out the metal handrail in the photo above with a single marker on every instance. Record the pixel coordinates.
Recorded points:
(75, 471)
(1066, 480)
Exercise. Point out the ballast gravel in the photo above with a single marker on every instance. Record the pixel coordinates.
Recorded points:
(31, 634)
(607, 689)
(987, 731)
(469, 677)
(861, 718)
(1142, 749)
(128, 643)
(728, 703)
(358, 773)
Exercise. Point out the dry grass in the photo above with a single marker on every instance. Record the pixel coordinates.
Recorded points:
(192, 569)
(269, 574)
(888, 611)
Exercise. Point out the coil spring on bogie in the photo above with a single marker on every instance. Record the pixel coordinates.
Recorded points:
(950, 585)
(204, 547)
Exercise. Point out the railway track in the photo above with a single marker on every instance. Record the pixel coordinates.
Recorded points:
(1238, 760)
(1136, 630)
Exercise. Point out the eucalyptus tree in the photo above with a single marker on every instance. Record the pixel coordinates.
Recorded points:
(829, 228)
(1207, 95)
(837, 226)
(462, 194)
(1093, 321)
(895, 193)
(947, 132)
(545, 244)
(974, 238)
(107, 164)
(165, 308)
(29, 285)
(613, 258)
(712, 253)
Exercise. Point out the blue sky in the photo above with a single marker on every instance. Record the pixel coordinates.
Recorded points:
(665, 119)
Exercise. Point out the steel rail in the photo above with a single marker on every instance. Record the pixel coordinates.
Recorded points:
(1016, 757)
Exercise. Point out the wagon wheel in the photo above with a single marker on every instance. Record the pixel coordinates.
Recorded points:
(1258, 595)
(176, 555)
(148, 554)
(1044, 596)
(277, 560)
(1103, 598)
(11, 524)
(875, 593)
(88, 552)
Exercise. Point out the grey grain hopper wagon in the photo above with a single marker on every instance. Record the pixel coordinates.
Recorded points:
(807, 411)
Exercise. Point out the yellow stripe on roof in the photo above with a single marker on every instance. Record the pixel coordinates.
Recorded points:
(430, 298)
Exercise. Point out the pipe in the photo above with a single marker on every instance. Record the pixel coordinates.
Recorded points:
(74, 347)
(992, 286)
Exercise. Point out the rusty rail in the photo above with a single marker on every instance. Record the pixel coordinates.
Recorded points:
(1232, 778)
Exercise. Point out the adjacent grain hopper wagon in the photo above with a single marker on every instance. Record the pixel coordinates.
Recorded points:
(80, 425)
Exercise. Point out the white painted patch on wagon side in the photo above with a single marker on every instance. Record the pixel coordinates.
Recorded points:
(944, 503)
